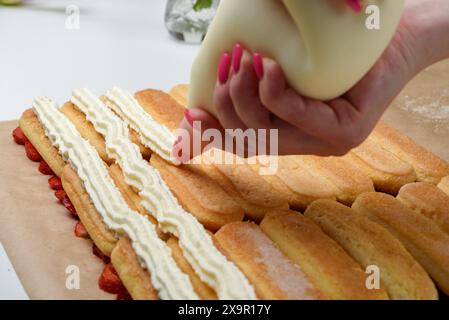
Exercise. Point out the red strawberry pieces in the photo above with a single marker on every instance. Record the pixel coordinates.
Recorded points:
(44, 168)
(80, 231)
(97, 252)
(55, 183)
(109, 280)
(18, 136)
(31, 152)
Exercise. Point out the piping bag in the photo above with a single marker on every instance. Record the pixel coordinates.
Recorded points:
(323, 46)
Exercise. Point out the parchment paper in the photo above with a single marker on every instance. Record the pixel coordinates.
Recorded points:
(37, 232)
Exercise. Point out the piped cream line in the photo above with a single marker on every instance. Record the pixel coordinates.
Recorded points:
(153, 135)
(210, 265)
(154, 254)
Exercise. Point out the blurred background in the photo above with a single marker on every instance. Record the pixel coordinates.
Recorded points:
(49, 47)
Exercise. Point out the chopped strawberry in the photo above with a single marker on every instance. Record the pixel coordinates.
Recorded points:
(31, 152)
(124, 295)
(60, 194)
(69, 206)
(109, 280)
(100, 254)
(19, 136)
(44, 168)
(80, 231)
(55, 183)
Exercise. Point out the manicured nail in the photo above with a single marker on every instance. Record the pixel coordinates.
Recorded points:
(237, 57)
(188, 117)
(258, 65)
(223, 68)
(356, 5)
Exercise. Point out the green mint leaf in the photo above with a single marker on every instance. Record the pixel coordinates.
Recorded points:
(202, 4)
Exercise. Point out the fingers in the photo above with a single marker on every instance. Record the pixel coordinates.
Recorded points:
(244, 93)
(332, 121)
(190, 140)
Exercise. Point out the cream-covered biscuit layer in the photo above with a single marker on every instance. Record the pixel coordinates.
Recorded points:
(210, 265)
(154, 254)
(153, 135)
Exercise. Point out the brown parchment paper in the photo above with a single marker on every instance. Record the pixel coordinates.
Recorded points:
(37, 232)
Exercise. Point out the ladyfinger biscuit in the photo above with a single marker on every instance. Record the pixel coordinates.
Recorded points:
(427, 199)
(254, 194)
(372, 245)
(131, 197)
(136, 279)
(198, 194)
(180, 93)
(300, 186)
(332, 270)
(33, 130)
(203, 290)
(388, 172)
(272, 274)
(162, 107)
(349, 182)
(428, 167)
(444, 185)
(100, 234)
(420, 235)
(86, 129)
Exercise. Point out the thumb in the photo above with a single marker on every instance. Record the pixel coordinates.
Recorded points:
(189, 142)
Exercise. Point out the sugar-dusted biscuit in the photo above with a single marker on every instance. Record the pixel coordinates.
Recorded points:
(33, 130)
(203, 290)
(297, 184)
(421, 236)
(388, 172)
(272, 274)
(349, 182)
(199, 194)
(374, 246)
(427, 199)
(333, 271)
(101, 235)
(136, 279)
(252, 192)
(180, 93)
(428, 167)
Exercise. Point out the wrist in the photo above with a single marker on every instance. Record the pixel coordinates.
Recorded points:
(428, 21)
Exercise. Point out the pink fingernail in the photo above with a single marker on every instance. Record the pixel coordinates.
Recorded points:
(223, 68)
(189, 117)
(258, 65)
(356, 5)
(237, 57)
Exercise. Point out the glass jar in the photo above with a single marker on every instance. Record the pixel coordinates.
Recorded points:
(188, 23)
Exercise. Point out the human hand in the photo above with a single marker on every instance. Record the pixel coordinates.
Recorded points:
(252, 92)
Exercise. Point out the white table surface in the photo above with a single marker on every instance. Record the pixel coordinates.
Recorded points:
(120, 42)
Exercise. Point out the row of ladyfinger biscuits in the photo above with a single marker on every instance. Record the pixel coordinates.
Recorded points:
(389, 158)
(244, 226)
(136, 279)
(329, 164)
(335, 167)
(333, 273)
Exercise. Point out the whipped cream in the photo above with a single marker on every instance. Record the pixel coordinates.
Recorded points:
(153, 135)
(154, 254)
(197, 245)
